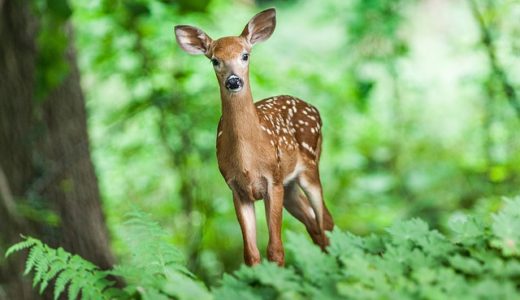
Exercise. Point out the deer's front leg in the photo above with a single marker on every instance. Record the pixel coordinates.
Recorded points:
(245, 210)
(274, 211)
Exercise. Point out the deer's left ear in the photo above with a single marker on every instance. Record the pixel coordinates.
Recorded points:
(260, 27)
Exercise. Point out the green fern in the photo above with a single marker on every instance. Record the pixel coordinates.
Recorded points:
(153, 262)
(155, 269)
(26, 243)
(72, 271)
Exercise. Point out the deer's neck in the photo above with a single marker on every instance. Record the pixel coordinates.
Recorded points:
(239, 117)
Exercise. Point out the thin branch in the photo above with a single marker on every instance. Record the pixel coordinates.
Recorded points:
(487, 41)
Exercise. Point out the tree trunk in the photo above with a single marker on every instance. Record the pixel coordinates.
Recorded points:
(48, 187)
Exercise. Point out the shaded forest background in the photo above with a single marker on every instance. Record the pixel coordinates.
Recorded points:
(101, 113)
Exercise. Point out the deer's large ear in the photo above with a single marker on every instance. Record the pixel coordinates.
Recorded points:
(260, 27)
(192, 39)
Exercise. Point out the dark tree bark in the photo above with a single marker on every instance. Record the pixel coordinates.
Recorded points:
(45, 164)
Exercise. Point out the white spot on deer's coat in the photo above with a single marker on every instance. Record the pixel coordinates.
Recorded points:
(308, 148)
(219, 133)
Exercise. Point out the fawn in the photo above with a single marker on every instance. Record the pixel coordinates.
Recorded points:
(265, 150)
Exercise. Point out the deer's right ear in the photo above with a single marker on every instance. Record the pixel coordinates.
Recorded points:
(192, 39)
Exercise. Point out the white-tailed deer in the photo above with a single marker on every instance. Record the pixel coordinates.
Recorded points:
(265, 150)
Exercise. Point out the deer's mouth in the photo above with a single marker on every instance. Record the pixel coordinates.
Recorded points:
(234, 83)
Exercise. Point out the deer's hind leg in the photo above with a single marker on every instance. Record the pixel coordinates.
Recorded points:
(298, 206)
(309, 181)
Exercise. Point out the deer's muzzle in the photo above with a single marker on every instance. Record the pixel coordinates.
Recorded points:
(234, 83)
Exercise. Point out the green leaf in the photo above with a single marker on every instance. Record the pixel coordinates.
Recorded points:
(408, 231)
(466, 230)
(467, 265)
(506, 228)
(314, 264)
(271, 275)
(183, 287)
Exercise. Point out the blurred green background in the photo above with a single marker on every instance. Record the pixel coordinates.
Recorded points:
(419, 101)
(417, 121)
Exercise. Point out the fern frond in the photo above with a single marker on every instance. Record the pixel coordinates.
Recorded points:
(61, 282)
(148, 245)
(26, 243)
(74, 289)
(35, 255)
(40, 268)
(80, 276)
(57, 265)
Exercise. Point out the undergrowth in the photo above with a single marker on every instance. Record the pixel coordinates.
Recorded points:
(479, 259)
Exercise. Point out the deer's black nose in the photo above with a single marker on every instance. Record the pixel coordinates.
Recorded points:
(234, 83)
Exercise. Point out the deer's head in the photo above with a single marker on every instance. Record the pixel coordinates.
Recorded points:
(229, 55)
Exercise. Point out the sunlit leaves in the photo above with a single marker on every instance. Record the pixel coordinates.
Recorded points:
(506, 228)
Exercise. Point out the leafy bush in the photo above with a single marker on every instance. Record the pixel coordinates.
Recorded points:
(479, 260)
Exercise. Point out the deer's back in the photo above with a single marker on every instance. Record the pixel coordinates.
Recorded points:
(292, 124)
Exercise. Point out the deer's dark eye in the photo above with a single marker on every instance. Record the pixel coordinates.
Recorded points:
(214, 61)
(245, 56)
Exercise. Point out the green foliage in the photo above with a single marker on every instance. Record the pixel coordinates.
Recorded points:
(154, 268)
(416, 123)
(409, 127)
(52, 43)
(409, 261)
(506, 229)
(70, 272)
